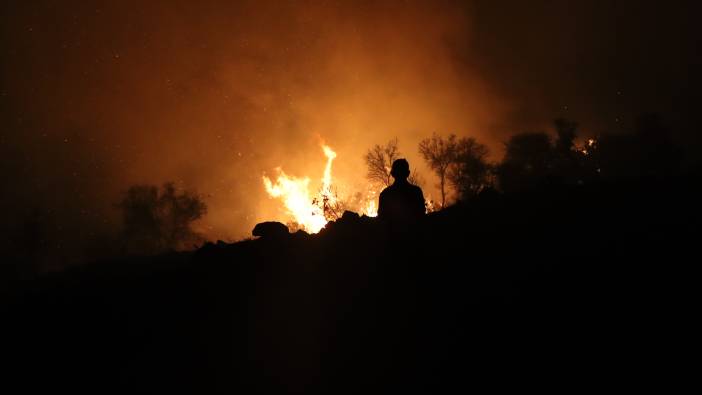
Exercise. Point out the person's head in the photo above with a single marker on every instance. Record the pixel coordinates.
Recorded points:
(400, 169)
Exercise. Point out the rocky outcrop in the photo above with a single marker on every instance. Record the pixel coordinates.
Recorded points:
(270, 230)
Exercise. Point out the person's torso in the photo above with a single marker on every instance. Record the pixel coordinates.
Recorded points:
(401, 202)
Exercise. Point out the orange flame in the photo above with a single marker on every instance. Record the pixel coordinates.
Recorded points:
(371, 208)
(295, 194)
(326, 179)
(311, 211)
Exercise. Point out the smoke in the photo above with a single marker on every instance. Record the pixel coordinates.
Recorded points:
(212, 95)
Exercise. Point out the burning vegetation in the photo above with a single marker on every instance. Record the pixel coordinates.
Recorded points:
(312, 211)
(463, 171)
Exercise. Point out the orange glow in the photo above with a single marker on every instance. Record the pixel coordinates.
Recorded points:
(311, 211)
(295, 194)
(371, 209)
(326, 180)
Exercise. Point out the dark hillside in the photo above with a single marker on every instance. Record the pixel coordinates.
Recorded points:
(560, 287)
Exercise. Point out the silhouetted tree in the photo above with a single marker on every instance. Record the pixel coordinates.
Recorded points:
(157, 220)
(527, 161)
(416, 178)
(440, 154)
(567, 161)
(471, 172)
(379, 161)
(566, 132)
(140, 218)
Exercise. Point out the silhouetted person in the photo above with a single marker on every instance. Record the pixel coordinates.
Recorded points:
(401, 201)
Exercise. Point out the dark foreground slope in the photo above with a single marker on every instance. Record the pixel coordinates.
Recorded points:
(562, 288)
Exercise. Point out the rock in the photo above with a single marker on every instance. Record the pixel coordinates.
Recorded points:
(270, 230)
(350, 216)
(301, 233)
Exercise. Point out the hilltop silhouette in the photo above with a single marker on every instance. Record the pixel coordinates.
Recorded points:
(544, 239)
(582, 286)
(565, 265)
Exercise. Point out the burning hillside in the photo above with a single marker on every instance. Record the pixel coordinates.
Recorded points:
(310, 211)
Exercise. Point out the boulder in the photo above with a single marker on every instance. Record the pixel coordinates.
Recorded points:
(270, 230)
(350, 216)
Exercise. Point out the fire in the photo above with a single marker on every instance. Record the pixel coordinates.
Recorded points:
(296, 196)
(312, 210)
(590, 144)
(326, 179)
(371, 209)
(299, 202)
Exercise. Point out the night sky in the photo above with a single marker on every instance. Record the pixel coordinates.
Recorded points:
(98, 96)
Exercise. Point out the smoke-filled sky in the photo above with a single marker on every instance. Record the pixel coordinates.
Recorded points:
(98, 96)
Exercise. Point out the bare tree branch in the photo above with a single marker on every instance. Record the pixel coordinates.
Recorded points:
(379, 162)
(416, 178)
(439, 153)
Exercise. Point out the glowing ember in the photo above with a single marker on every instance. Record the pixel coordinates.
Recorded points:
(299, 203)
(590, 144)
(429, 205)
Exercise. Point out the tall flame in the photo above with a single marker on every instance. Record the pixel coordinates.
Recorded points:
(298, 201)
(326, 179)
(370, 208)
(312, 210)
